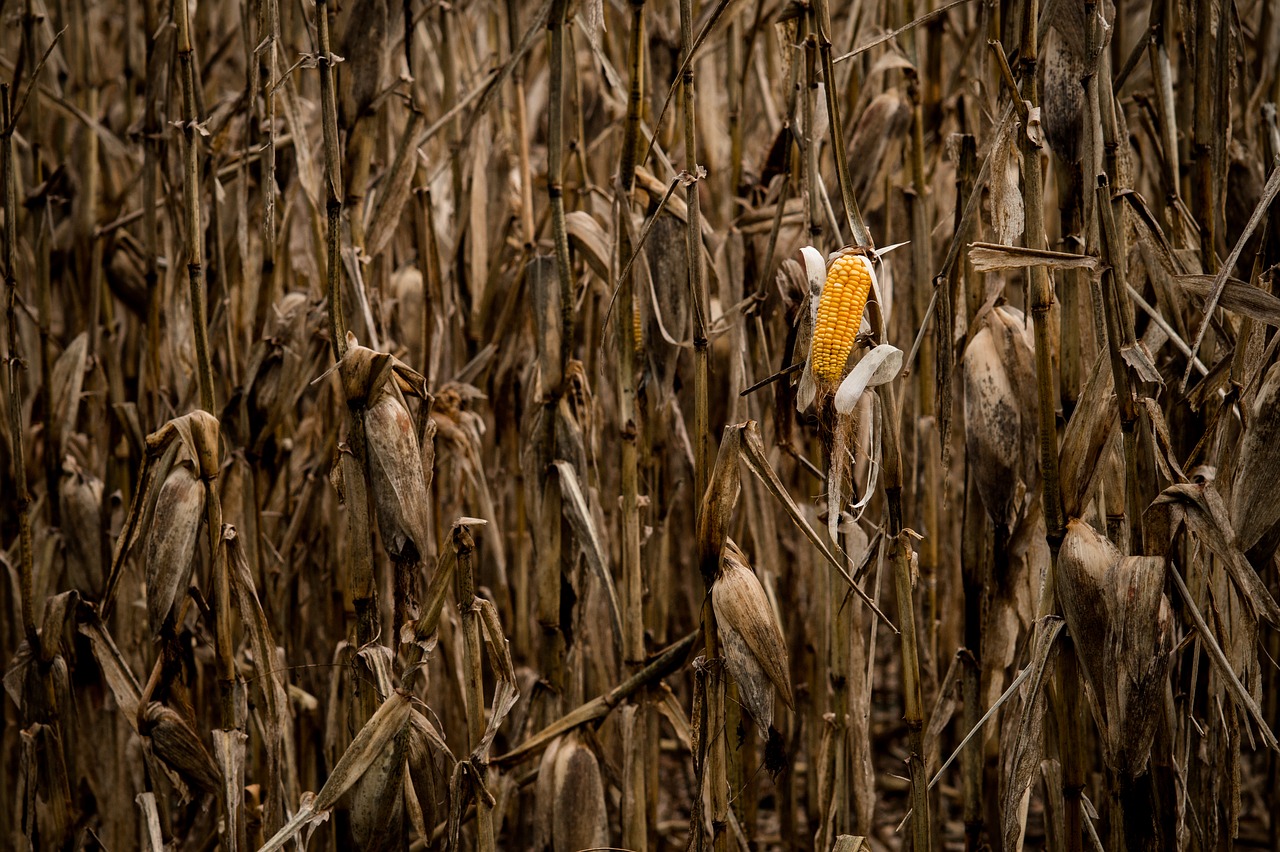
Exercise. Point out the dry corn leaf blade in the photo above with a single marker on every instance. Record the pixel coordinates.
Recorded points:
(373, 738)
(115, 670)
(544, 795)
(153, 838)
(507, 690)
(68, 381)
(584, 528)
(1265, 197)
(994, 257)
(229, 752)
(1255, 500)
(1028, 745)
(1202, 509)
(271, 679)
(591, 239)
(1238, 297)
(394, 191)
(754, 455)
(719, 502)
(1219, 659)
(1085, 439)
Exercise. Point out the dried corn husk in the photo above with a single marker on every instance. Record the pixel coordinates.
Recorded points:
(570, 794)
(364, 47)
(171, 545)
(377, 800)
(1083, 562)
(1000, 414)
(754, 647)
(375, 384)
(1139, 639)
(82, 524)
(175, 743)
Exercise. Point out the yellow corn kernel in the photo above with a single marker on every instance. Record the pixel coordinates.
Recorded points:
(637, 330)
(839, 315)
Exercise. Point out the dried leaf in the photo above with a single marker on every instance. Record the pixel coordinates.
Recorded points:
(584, 529)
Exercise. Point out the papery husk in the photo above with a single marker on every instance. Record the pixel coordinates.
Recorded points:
(428, 761)
(171, 543)
(375, 384)
(175, 743)
(754, 646)
(82, 528)
(1083, 562)
(665, 309)
(364, 49)
(396, 476)
(1137, 659)
(544, 794)
(1000, 415)
(579, 818)
(377, 800)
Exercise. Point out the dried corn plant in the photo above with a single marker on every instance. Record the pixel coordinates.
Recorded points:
(651, 425)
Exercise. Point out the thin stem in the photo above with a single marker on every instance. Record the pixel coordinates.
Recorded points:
(333, 184)
(899, 542)
(16, 430)
(191, 198)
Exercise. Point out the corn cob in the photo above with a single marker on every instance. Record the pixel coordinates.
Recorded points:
(844, 296)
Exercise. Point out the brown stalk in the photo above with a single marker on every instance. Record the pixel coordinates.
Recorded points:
(464, 549)
(191, 200)
(635, 811)
(14, 371)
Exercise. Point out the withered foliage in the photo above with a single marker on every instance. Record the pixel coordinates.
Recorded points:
(422, 426)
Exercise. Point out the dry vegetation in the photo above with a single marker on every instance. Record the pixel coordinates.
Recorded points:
(491, 425)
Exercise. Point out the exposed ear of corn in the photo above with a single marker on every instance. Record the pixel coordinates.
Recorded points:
(844, 296)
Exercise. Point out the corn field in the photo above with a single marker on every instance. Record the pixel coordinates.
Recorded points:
(640, 424)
